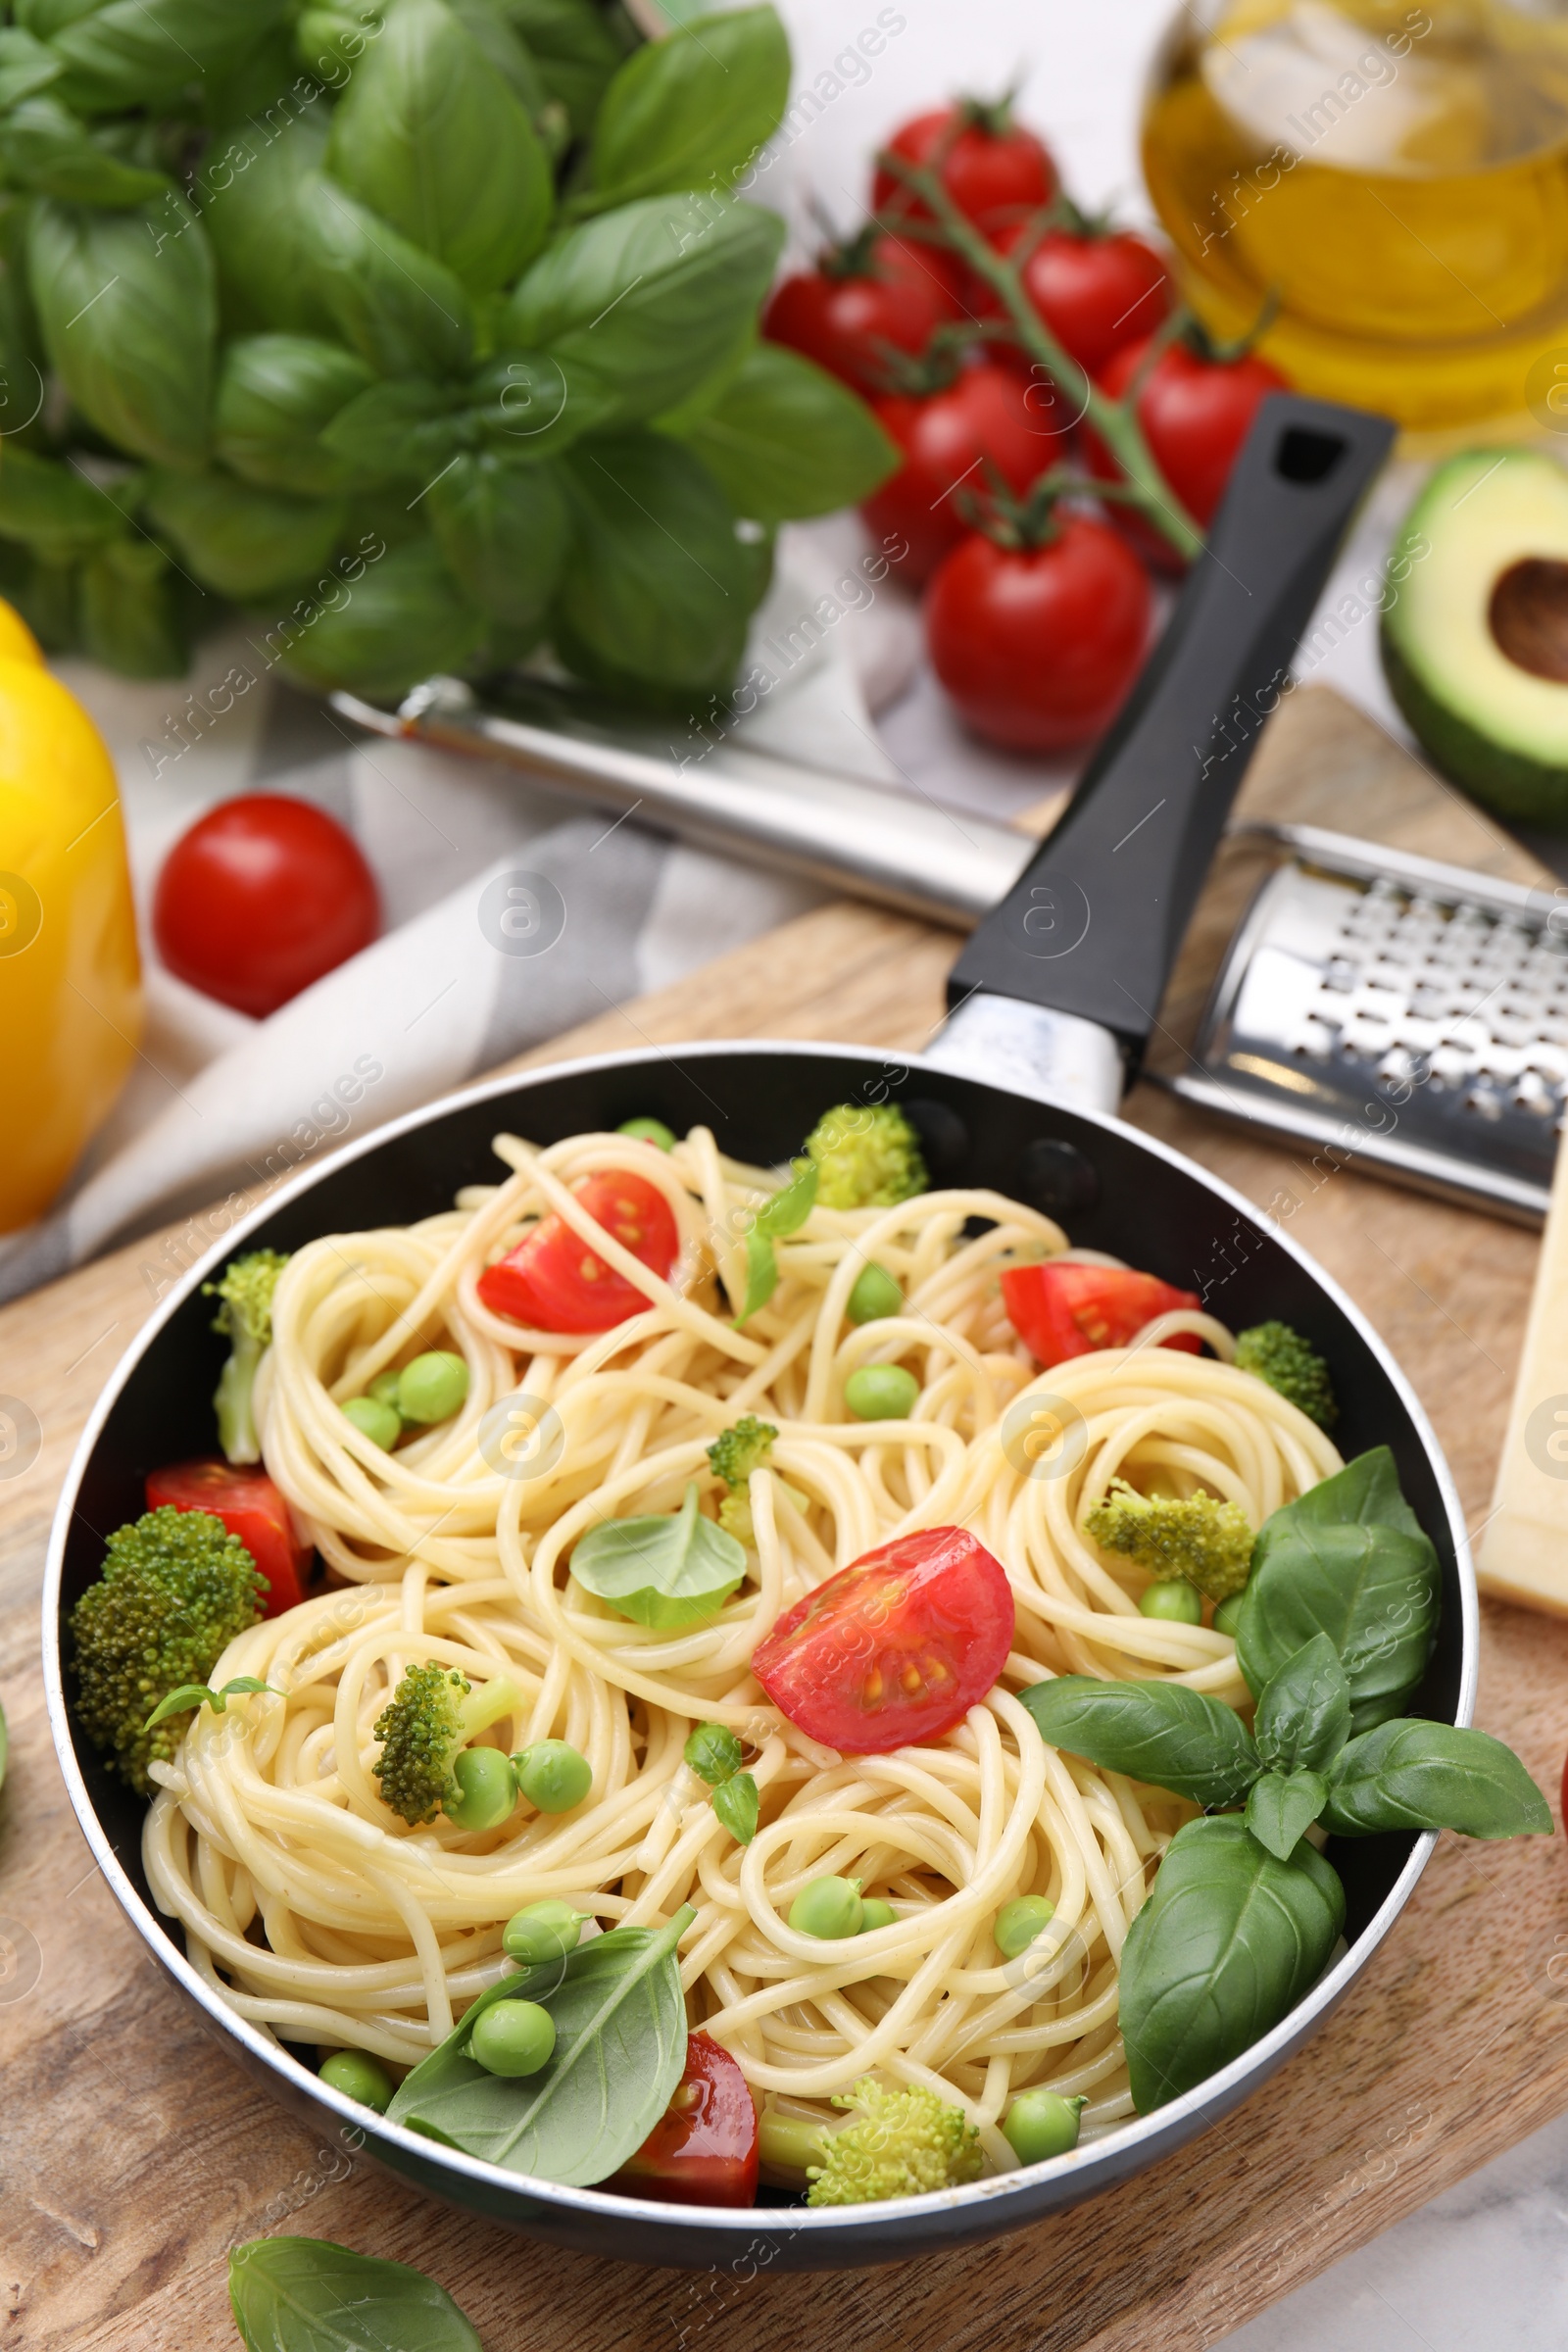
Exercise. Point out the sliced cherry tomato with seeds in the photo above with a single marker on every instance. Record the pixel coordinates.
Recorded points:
(553, 1281)
(251, 1507)
(703, 2148)
(1063, 1308)
(893, 1649)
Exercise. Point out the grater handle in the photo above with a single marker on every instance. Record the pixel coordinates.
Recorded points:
(1093, 925)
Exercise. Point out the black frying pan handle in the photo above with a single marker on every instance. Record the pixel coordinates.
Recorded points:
(1093, 925)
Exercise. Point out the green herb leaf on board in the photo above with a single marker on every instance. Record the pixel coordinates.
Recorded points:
(304, 2294)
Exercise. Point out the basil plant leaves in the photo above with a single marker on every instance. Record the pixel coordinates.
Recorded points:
(660, 1571)
(306, 2294)
(1335, 1629)
(471, 284)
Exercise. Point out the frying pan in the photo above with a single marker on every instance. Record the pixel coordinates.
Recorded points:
(1053, 996)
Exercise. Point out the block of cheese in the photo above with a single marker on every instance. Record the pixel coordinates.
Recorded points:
(1523, 1554)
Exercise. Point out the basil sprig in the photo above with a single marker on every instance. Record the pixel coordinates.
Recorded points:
(620, 2047)
(784, 1213)
(661, 1571)
(1336, 1630)
(306, 2294)
(715, 1755)
(202, 1695)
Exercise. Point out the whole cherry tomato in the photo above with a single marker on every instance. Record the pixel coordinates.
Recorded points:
(703, 2148)
(264, 895)
(1039, 645)
(860, 299)
(1195, 411)
(988, 417)
(1062, 1309)
(250, 1508)
(995, 172)
(1097, 292)
(893, 1649)
(554, 1282)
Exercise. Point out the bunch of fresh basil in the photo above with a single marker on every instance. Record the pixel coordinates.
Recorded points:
(460, 282)
(1338, 1623)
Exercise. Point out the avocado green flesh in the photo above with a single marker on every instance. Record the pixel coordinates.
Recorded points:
(1498, 729)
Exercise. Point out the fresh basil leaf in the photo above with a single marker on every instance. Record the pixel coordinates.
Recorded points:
(1159, 1733)
(429, 136)
(1414, 1775)
(620, 2048)
(126, 612)
(736, 1803)
(788, 439)
(1372, 1590)
(128, 308)
(26, 65)
(525, 410)
(244, 542)
(304, 2294)
(53, 508)
(1303, 1716)
(789, 1207)
(657, 587)
(408, 429)
(504, 533)
(43, 18)
(202, 1695)
(43, 147)
(402, 311)
(714, 1753)
(249, 87)
(46, 595)
(260, 191)
(574, 48)
(275, 396)
(661, 1571)
(146, 52)
(1229, 1940)
(639, 305)
(762, 1273)
(1281, 1807)
(1365, 1493)
(691, 111)
(506, 54)
(401, 620)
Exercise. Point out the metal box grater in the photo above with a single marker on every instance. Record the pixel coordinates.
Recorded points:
(1410, 1014)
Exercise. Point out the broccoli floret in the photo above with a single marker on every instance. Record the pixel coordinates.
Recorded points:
(245, 1317)
(907, 2142)
(867, 1155)
(430, 1717)
(176, 1589)
(1207, 1541)
(1282, 1357)
(736, 1452)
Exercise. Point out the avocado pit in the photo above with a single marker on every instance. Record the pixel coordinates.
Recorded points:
(1528, 616)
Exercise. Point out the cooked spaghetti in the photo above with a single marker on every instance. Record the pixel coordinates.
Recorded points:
(324, 1918)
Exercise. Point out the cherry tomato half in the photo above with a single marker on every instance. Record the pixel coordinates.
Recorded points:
(1195, 413)
(893, 1649)
(1039, 645)
(250, 1508)
(994, 171)
(554, 1282)
(990, 416)
(264, 895)
(1065, 1309)
(703, 2149)
(861, 298)
(1097, 293)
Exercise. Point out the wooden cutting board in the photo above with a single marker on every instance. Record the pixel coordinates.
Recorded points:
(132, 2152)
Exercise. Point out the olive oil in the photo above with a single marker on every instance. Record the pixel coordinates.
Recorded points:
(1394, 179)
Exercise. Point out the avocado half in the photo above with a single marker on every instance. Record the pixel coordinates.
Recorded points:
(1474, 634)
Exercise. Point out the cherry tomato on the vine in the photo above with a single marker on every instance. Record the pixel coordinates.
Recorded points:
(994, 171)
(861, 298)
(988, 417)
(1195, 413)
(1096, 292)
(1039, 645)
(703, 2148)
(1061, 1309)
(896, 1648)
(250, 1508)
(264, 895)
(553, 1281)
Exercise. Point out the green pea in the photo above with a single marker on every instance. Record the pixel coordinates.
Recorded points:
(828, 1907)
(881, 1393)
(649, 1131)
(433, 1387)
(384, 1389)
(875, 1913)
(358, 2076)
(375, 1420)
(1019, 1922)
(513, 2037)
(553, 1776)
(486, 1791)
(1228, 1616)
(544, 1931)
(876, 1293)
(1178, 1600)
(1041, 2124)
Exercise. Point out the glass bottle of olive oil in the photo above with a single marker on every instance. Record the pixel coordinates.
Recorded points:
(1393, 178)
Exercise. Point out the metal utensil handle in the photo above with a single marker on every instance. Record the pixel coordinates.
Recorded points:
(1093, 925)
